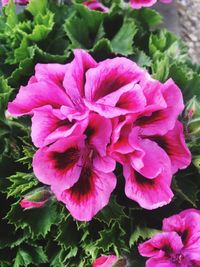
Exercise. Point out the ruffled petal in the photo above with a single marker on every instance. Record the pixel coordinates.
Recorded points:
(75, 75)
(109, 76)
(148, 193)
(48, 125)
(61, 163)
(105, 261)
(161, 245)
(128, 99)
(187, 227)
(160, 262)
(98, 133)
(51, 72)
(150, 160)
(174, 144)
(136, 4)
(88, 195)
(162, 120)
(36, 95)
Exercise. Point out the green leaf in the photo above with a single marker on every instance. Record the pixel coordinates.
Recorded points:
(143, 233)
(5, 91)
(34, 255)
(160, 68)
(38, 220)
(68, 235)
(187, 188)
(36, 7)
(21, 183)
(111, 239)
(111, 213)
(11, 15)
(123, 40)
(142, 59)
(85, 28)
(24, 70)
(186, 79)
(43, 25)
(22, 258)
(23, 51)
(148, 17)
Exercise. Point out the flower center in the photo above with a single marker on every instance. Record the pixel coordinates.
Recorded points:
(177, 258)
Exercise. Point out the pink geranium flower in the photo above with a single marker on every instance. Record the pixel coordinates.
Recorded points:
(105, 261)
(79, 170)
(36, 198)
(178, 245)
(146, 3)
(153, 148)
(87, 115)
(95, 5)
(20, 2)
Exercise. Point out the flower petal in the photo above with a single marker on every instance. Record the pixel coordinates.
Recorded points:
(51, 72)
(98, 133)
(48, 125)
(105, 261)
(88, 195)
(127, 99)
(173, 142)
(148, 193)
(162, 120)
(36, 95)
(160, 245)
(187, 227)
(150, 160)
(59, 164)
(142, 3)
(109, 76)
(75, 75)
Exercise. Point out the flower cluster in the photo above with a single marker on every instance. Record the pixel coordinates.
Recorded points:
(86, 116)
(136, 4)
(178, 245)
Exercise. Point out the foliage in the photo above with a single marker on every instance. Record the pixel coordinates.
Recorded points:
(47, 32)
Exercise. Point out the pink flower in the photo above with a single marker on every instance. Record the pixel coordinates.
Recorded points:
(105, 261)
(79, 170)
(20, 2)
(36, 198)
(146, 3)
(95, 5)
(88, 115)
(152, 148)
(27, 204)
(178, 245)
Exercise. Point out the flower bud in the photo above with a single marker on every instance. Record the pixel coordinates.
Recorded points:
(192, 115)
(196, 162)
(110, 261)
(36, 198)
(192, 109)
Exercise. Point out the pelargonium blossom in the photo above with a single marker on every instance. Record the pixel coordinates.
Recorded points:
(110, 261)
(105, 261)
(95, 5)
(88, 115)
(146, 3)
(19, 2)
(178, 245)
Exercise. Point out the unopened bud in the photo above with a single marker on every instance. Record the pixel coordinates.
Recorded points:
(36, 198)
(196, 162)
(192, 109)
(192, 115)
